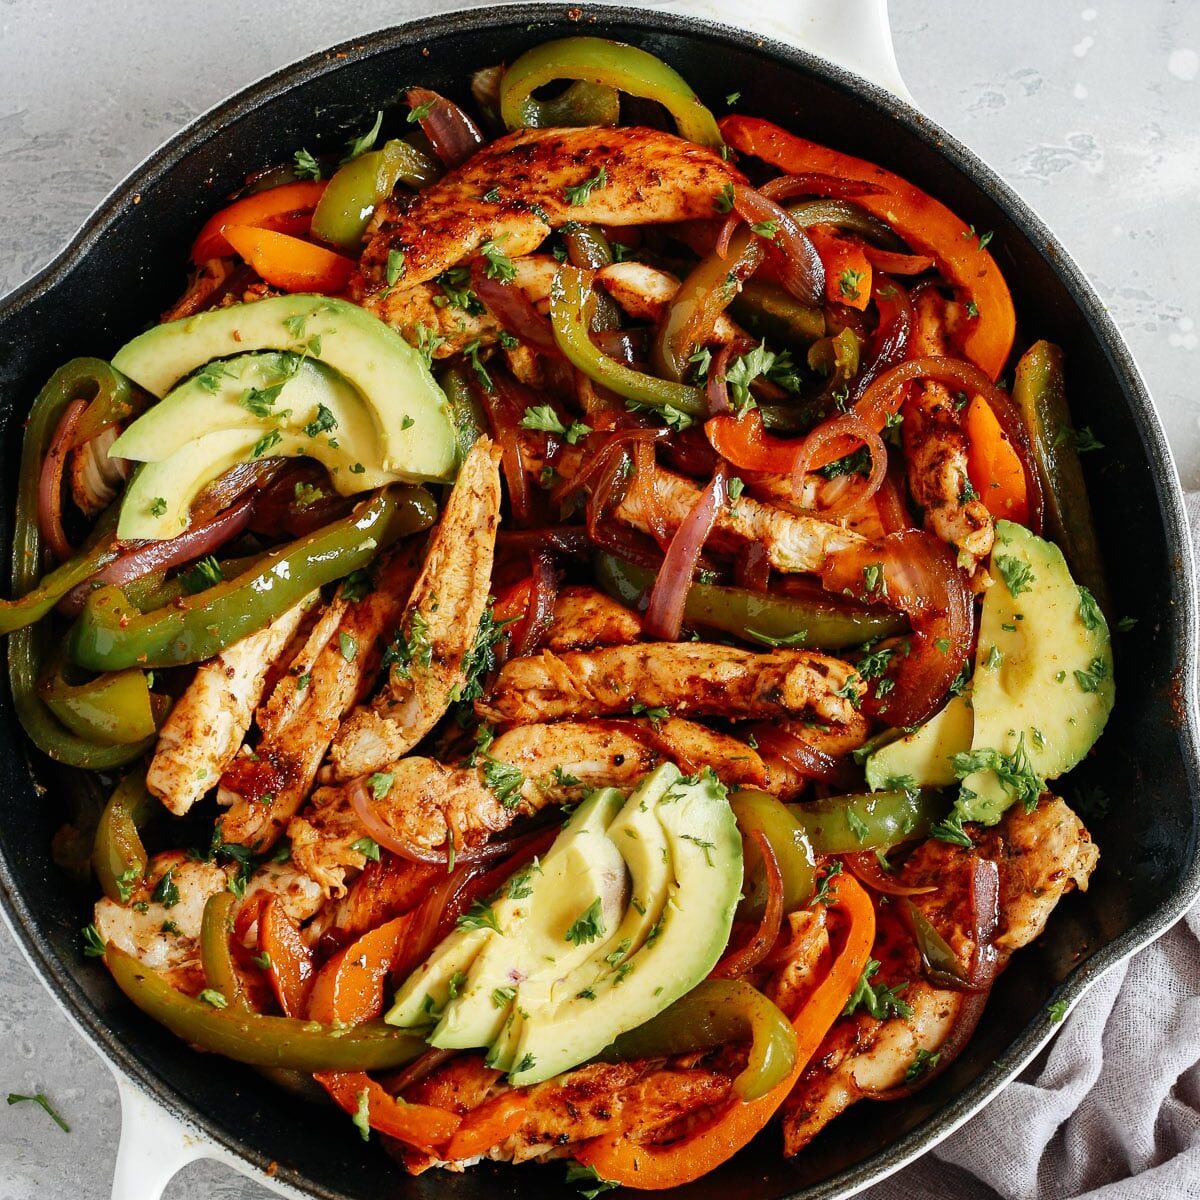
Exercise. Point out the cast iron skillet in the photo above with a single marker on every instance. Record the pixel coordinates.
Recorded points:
(128, 263)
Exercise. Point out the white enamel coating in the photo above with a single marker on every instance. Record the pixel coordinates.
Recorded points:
(854, 34)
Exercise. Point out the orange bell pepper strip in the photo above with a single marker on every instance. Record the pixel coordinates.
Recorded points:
(287, 262)
(290, 970)
(926, 224)
(847, 267)
(993, 467)
(897, 264)
(744, 442)
(487, 1126)
(287, 209)
(654, 1167)
(349, 989)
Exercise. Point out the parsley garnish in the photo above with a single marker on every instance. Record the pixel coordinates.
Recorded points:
(587, 1179)
(742, 372)
(165, 892)
(588, 926)
(428, 342)
(420, 112)
(380, 784)
(479, 916)
(850, 282)
(267, 442)
(93, 943)
(304, 166)
(471, 350)
(348, 646)
(481, 660)
(360, 145)
(1014, 771)
(526, 1064)
(951, 830)
(881, 1002)
(1057, 1010)
(766, 229)
(1125, 624)
(213, 997)
(504, 781)
(582, 193)
(1089, 680)
(204, 574)
(42, 1102)
(367, 847)
(456, 290)
(544, 419)
(503, 996)
(158, 507)
(395, 266)
(499, 265)
(924, 1062)
(322, 422)
(520, 886)
(1089, 610)
(724, 202)
(1018, 576)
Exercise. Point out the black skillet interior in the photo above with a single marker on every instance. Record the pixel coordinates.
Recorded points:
(1138, 792)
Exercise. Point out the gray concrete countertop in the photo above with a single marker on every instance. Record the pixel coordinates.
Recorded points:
(1087, 108)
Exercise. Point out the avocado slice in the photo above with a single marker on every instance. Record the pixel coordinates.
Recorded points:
(580, 892)
(692, 930)
(1043, 688)
(926, 755)
(416, 434)
(426, 992)
(296, 408)
(639, 837)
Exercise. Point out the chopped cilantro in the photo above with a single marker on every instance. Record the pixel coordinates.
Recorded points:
(881, 1002)
(582, 193)
(588, 926)
(304, 166)
(367, 847)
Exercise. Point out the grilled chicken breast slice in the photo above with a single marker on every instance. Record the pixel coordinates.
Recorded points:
(795, 544)
(586, 617)
(437, 633)
(1040, 856)
(209, 721)
(687, 678)
(267, 786)
(165, 937)
(649, 178)
(600, 1099)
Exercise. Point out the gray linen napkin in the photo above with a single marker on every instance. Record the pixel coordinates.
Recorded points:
(1112, 1111)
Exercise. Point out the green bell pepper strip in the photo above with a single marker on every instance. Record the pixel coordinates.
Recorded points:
(21, 619)
(602, 63)
(572, 303)
(756, 810)
(109, 635)
(113, 709)
(714, 1013)
(466, 411)
(870, 820)
(583, 104)
(703, 296)
(258, 1040)
(118, 856)
(769, 311)
(31, 603)
(1040, 393)
(849, 217)
(587, 247)
(754, 616)
(938, 961)
(215, 955)
(358, 186)
(116, 400)
(221, 975)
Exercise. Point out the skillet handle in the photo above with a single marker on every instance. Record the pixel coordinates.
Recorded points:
(854, 34)
(154, 1146)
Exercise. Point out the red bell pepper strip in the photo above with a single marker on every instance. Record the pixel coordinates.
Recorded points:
(654, 1167)
(286, 209)
(926, 224)
(287, 262)
(349, 989)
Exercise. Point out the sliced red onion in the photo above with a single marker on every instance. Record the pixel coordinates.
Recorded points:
(504, 421)
(565, 539)
(540, 614)
(743, 960)
(788, 187)
(605, 449)
(803, 272)
(664, 615)
(716, 387)
(49, 494)
(452, 134)
(865, 867)
(514, 310)
(889, 500)
(893, 336)
(774, 741)
(400, 1081)
(834, 432)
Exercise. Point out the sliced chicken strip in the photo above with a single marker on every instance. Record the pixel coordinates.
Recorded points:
(431, 652)
(817, 493)
(165, 937)
(794, 544)
(585, 617)
(336, 666)
(935, 449)
(209, 721)
(1040, 856)
(523, 770)
(688, 678)
(597, 1099)
(832, 740)
(649, 178)
(644, 292)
